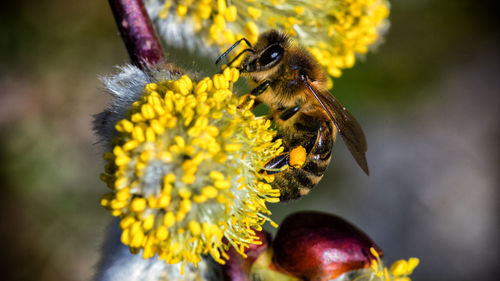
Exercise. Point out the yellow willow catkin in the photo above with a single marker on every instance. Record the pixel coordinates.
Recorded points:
(183, 170)
(334, 31)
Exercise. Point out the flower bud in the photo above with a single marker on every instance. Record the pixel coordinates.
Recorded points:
(237, 267)
(317, 246)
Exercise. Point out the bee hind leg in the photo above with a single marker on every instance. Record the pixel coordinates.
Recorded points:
(295, 158)
(276, 164)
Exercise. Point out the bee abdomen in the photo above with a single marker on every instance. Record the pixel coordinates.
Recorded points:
(315, 167)
(295, 183)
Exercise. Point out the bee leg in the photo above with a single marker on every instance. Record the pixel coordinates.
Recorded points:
(261, 88)
(253, 94)
(295, 158)
(288, 113)
(276, 164)
(246, 99)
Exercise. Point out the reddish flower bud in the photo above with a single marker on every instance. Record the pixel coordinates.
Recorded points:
(237, 267)
(317, 246)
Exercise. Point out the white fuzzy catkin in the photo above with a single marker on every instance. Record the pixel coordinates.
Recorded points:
(125, 87)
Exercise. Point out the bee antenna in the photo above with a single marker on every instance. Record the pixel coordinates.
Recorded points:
(231, 48)
(239, 55)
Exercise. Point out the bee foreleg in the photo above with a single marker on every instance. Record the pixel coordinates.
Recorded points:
(261, 88)
(253, 94)
(246, 99)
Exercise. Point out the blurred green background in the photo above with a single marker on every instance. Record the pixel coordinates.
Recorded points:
(428, 100)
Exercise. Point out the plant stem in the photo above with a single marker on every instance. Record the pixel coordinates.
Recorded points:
(137, 31)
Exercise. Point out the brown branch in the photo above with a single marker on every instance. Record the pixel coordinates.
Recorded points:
(137, 31)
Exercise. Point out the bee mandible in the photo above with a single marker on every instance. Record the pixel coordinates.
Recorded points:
(294, 87)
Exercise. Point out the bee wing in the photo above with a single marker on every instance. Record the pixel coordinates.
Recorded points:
(349, 129)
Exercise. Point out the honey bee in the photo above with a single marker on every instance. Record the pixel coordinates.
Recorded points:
(294, 87)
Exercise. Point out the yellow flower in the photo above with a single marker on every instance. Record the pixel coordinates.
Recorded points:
(400, 270)
(183, 170)
(334, 31)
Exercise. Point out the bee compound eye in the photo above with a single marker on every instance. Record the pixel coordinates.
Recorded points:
(271, 55)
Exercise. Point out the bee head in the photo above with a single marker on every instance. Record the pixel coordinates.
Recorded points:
(268, 52)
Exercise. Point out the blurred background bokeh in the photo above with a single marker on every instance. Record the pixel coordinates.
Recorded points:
(428, 100)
